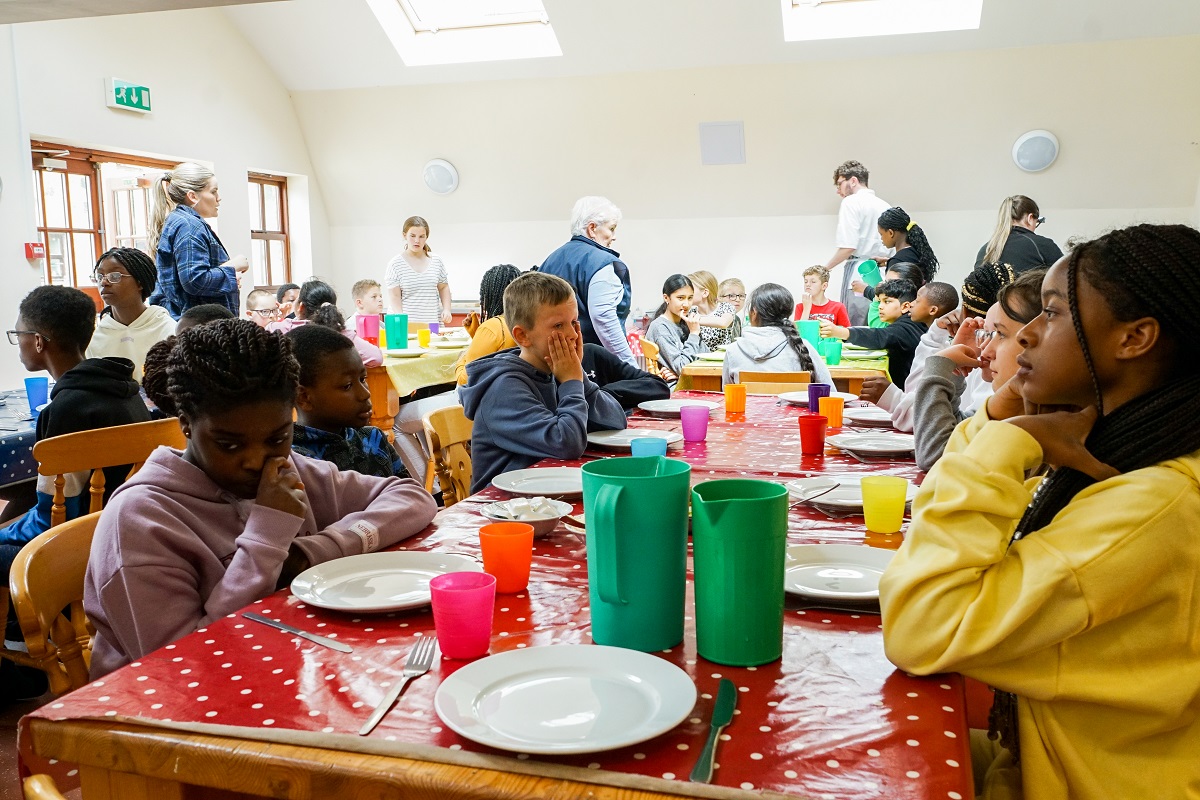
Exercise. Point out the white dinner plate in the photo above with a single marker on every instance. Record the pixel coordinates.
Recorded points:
(451, 344)
(670, 408)
(864, 353)
(622, 438)
(881, 443)
(801, 398)
(870, 416)
(548, 481)
(377, 581)
(562, 699)
(719, 355)
(848, 493)
(406, 352)
(835, 571)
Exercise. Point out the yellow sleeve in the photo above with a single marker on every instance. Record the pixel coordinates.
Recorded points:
(957, 598)
(488, 339)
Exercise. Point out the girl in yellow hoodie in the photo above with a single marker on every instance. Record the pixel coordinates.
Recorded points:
(1077, 596)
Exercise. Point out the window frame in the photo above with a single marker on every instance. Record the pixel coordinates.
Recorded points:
(283, 235)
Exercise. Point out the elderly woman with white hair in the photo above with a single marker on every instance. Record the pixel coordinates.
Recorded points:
(597, 274)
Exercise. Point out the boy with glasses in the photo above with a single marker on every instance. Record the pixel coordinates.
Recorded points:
(733, 291)
(262, 308)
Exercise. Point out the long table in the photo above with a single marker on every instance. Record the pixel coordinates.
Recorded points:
(238, 710)
(705, 376)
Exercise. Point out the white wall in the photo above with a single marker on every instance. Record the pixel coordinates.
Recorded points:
(936, 131)
(214, 100)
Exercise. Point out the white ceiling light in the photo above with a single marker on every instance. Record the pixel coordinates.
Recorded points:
(440, 176)
(1035, 151)
(808, 20)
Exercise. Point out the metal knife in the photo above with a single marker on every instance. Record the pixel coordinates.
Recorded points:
(722, 715)
(312, 637)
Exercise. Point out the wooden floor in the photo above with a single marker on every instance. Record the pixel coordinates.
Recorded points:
(10, 788)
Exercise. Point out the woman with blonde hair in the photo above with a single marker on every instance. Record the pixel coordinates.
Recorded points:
(1014, 241)
(193, 267)
(416, 280)
(716, 318)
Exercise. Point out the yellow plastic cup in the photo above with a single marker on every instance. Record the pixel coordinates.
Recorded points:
(831, 408)
(423, 337)
(883, 502)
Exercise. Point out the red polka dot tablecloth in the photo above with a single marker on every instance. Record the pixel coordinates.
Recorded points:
(832, 719)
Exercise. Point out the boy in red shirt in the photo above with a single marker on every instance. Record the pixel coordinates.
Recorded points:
(814, 305)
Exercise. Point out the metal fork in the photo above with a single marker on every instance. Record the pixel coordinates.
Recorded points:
(419, 660)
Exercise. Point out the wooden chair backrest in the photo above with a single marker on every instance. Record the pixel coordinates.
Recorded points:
(750, 376)
(449, 434)
(768, 387)
(650, 351)
(96, 449)
(47, 577)
(41, 787)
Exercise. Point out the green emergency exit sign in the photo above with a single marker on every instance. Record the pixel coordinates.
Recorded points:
(127, 96)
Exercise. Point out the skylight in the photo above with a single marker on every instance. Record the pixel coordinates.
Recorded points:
(426, 32)
(807, 20)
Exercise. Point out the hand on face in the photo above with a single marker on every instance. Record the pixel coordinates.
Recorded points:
(951, 321)
(280, 488)
(565, 358)
(693, 324)
(1062, 435)
(1007, 402)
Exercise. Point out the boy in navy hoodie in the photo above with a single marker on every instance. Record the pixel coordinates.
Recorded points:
(534, 401)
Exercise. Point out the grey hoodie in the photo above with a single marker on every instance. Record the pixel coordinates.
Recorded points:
(767, 350)
(528, 415)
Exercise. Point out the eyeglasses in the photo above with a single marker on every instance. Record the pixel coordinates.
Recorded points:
(1038, 221)
(14, 336)
(733, 297)
(837, 184)
(983, 337)
(265, 313)
(108, 277)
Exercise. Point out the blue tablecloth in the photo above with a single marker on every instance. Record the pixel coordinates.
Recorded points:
(16, 440)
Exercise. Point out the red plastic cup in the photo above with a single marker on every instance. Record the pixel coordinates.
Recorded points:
(507, 554)
(695, 423)
(463, 603)
(812, 433)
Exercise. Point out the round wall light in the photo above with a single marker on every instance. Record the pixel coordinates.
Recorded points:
(1035, 151)
(440, 176)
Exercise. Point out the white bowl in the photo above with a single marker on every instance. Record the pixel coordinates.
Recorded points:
(542, 526)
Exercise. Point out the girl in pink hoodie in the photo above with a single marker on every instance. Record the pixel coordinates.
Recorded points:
(198, 534)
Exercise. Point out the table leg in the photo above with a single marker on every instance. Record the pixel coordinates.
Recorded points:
(385, 404)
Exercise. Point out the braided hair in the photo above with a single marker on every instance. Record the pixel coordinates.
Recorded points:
(137, 264)
(979, 289)
(491, 289)
(154, 375)
(229, 363)
(896, 219)
(1139, 271)
(773, 305)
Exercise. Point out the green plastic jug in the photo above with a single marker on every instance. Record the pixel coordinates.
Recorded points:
(869, 270)
(739, 537)
(637, 514)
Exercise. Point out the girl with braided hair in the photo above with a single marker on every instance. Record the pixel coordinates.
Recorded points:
(198, 534)
(127, 327)
(896, 229)
(317, 303)
(771, 343)
(493, 333)
(1076, 597)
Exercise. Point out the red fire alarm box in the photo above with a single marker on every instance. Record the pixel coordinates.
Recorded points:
(35, 250)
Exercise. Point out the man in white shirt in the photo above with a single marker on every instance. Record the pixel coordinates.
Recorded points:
(857, 235)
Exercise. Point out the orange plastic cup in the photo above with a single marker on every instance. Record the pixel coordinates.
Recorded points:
(831, 408)
(735, 398)
(507, 553)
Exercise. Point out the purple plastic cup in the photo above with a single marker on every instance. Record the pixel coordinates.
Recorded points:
(815, 392)
(695, 423)
(435, 328)
(463, 603)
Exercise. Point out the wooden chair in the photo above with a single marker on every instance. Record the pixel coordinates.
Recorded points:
(47, 577)
(773, 382)
(449, 434)
(96, 449)
(41, 787)
(650, 351)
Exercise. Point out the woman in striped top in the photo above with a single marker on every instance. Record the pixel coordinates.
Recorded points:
(416, 279)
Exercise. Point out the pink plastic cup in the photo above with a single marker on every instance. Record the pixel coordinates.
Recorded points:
(695, 423)
(812, 433)
(463, 603)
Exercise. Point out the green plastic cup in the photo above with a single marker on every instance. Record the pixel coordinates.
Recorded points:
(833, 351)
(869, 271)
(810, 330)
(395, 326)
(739, 537)
(636, 512)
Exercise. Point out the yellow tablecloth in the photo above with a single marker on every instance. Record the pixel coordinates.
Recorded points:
(431, 369)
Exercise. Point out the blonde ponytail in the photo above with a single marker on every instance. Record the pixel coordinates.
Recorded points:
(171, 191)
(1012, 210)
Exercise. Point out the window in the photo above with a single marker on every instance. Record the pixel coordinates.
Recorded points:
(269, 256)
(437, 32)
(805, 20)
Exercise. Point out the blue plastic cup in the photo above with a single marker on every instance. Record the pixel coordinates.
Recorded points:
(647, 446)
(38, 392)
